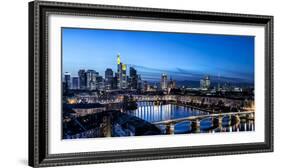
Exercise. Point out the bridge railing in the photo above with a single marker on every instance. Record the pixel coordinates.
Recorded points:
(200, 117)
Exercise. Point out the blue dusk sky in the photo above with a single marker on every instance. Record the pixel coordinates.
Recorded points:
(184, 57)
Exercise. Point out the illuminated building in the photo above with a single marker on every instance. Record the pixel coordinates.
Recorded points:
(205, 83)
(145, 86)
(85, 109)
(124, 77)
(121, 71)
(91, 79)
(108, 78)
(100, 83)
(75, 83)
(115, 81)
(164, 82)
(67, 80)
(133, 78)
(82, 79)
(172, 84)
(139, 85)
(151, 88)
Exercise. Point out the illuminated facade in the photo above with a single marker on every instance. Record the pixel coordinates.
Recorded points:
(205, 83)
(82, 79)
(108, 79)
(133, 78)
(121, 74)
(119, 71)
(75, 83)
(67, 80)
(164, 82)
(91, 79)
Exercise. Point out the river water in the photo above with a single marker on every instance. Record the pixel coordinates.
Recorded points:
(155, 113)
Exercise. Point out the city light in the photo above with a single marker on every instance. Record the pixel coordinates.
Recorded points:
(165, 83)
(125, 92)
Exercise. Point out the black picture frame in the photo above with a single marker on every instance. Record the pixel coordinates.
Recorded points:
(38, 84)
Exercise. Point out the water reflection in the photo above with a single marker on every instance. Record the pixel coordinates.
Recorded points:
(155, 113)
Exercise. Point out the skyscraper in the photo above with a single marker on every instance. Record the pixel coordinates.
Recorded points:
(145, 86)
(100, 83)
(205, 83)
(91, 79)
(108, 78)
(140, 84)
(115, 81)
(164, 82)
(133, 78)
(82, 79)
(119, 72)
(122, 76)
(124, 84)
(67, 80)
(172, 84)
(75, 83)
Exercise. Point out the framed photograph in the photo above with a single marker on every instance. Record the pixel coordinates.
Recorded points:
(115, 83)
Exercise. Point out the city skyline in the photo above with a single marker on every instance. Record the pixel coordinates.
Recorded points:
(216, 79)
(180, 66)
(128, 78)
(131, 83)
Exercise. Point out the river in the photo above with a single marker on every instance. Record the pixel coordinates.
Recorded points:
(154, 113)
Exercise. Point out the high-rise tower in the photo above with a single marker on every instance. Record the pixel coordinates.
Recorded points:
(121, 74)
(67, 80)
(205, 83)
(82, 79)
(134, 78)
(108, 78)
(164, 81)
(119, 71)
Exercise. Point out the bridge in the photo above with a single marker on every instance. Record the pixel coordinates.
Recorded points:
(170, 124)
(245, 104)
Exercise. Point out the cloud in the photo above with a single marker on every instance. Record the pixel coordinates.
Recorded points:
(180, 74)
